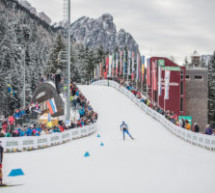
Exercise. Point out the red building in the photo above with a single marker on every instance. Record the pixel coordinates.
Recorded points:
(166, 84)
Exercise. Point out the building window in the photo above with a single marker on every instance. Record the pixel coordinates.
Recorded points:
(182, 74)
(181, 104)
(182, 88)
(187, 77)
(198, 77)
(155, 94)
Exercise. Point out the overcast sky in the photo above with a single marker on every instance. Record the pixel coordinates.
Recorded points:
(160, 27)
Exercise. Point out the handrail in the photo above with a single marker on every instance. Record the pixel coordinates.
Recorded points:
(205, 141)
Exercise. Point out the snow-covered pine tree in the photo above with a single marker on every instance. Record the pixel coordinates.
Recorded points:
(211, 91)
(53, 63)
(186, 62)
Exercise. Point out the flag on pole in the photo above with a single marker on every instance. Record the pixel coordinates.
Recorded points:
(143, 68)
(117, 64)
(133, 68)
(154, 77)
(113, 65)
(107, 65)
(51, 105)
(159, 80)
(110, 65)
(148, 72)
(120, 58)
(129, 63)
(100, 74)
(167, 80)
(124, 68)
(137, 70)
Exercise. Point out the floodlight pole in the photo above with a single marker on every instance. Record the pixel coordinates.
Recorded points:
(68, 64)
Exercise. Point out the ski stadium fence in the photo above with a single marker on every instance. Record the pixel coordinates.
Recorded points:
(28, 143)
(205, 141)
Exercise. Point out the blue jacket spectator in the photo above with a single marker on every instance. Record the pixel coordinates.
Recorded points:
(29, 132)
(208, 130)
(81, 112)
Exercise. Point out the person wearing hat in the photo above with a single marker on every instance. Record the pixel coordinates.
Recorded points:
(124, 129)
(208, 130)
(1, 160)
(196, 128)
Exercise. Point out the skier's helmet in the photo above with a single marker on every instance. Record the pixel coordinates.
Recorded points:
(123, 122)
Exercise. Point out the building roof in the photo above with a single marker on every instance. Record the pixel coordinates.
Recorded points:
(195, 54)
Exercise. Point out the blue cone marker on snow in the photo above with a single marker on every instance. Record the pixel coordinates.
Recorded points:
(98, 135)
(102, 144)
(16, 172)
(87, 154)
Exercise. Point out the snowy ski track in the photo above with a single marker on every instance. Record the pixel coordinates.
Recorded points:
(155, 162)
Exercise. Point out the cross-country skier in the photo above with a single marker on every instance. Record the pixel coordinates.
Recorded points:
(1, 160)
(124, 129)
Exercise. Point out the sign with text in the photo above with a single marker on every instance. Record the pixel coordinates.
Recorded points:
(171, 68)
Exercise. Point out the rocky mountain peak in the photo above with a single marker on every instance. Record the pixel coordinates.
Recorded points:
(33, 10)
(101, 32)
(28, 6)
(44, 17)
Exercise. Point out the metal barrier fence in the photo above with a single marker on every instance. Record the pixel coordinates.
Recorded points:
(205, 141)
(27, 143)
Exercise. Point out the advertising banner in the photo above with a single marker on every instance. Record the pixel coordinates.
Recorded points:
(189, 118)
(167, 80)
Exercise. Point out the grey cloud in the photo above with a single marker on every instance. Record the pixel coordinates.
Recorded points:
(164, 27)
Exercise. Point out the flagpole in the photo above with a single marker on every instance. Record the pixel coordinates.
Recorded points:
(24, 79)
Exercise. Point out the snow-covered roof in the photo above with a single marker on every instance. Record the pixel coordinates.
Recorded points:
(195, 54)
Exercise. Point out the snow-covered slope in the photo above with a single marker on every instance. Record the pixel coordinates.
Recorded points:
(156, 161)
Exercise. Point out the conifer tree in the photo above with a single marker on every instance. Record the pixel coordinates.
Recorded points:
(211, 91)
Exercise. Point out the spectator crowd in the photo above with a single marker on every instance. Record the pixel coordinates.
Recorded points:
(170, 115)
(14, 125)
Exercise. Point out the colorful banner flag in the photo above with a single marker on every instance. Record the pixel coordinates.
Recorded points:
(133, 67)
(51, 105)
(154, 76)
(125, 65)
(121, 63)
(167, 80)
(138, 66)
(143, 68)
(113, 65)
(100, 74)
(107, 65)
(129, 63)
(148, 72)
(159, 81)
(110, 66)
(117, 64)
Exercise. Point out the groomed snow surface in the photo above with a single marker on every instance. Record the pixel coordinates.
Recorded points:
(156, 161)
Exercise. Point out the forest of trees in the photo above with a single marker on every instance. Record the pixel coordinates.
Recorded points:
(23, 40)
(27, 40)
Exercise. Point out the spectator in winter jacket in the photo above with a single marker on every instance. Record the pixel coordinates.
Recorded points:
(196, 128)
(188, 126)
(81, 112)
(208, 130)
(182, 123)
(29, 131)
